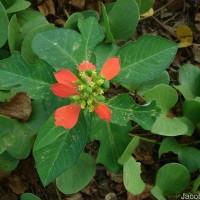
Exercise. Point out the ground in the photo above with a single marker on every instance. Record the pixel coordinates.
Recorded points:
(168, 15)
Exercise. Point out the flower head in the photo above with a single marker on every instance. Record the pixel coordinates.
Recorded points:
(85, 91)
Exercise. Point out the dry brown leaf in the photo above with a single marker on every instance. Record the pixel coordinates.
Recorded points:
(47, 8)
(77, 196)
(80, 4)
(19, 107)
(9, 196)
(3, 174)
(197, 17)
(16, 184)
(196, 52)
(117, 178)
(185, 35)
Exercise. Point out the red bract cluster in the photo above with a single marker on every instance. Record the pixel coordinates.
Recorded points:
(85, 91)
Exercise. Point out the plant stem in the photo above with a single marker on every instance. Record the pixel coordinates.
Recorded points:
(145, 139)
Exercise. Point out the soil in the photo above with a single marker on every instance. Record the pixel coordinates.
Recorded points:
(168, 15)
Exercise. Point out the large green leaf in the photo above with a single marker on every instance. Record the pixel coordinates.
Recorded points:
(189, 78)
(144, 60)
(171, 179)
(191, 110)
(82, 172)
(144, 6)
(92, 35)
(131, 177)
(118, 25)
(7, 162)
(15, 5)
(20, 24)
(164, 95)
(57, 46)
(4, 25)
(113, 139)
(188, 156)
(124, 109)
(57, 149)
(26, 49)
(36, 80)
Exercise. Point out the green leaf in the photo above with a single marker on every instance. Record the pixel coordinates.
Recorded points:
(164, 95)
(103, 52)
(7, 162)
(188, 156)
(92, 35)
(82, 172)
(189, 78)
(72, 21)
(29, 196)
(129, 150)
(36, 80)
(4, 25)
(56, 47)
(26, 49)
(145, 115)
(144, 6)
(5, 95)
(144, 60)
(6, 140)
(169, 126)
(171, 179)
(119, 24)
(191, 110)
(162, 78)
(114, 140)
(57, 149)
(196, 185)
(131, 177)
(124, 109)
(15, 5)
(20, 24)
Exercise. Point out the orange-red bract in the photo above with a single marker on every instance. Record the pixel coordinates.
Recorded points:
(111, 68)
(67, 116)
(103, 112)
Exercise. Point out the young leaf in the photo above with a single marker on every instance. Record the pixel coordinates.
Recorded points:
(15, 5)
(168, 184)
(20, 24)
(82, 172)
(36, 80)
(114, 140)
(57, 149)
(189, 78)
(29, 196)
(118, 25)
(4, 25)
(165, 96)
(131, 177)
(92, 35)
(56, 47)
(196, 185)
(144, 6)
(144, 60)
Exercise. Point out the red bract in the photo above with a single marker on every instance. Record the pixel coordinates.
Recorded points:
(67, 86)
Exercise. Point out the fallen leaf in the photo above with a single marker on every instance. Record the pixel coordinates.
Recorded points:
(185, 35)
(197, 17)
(47, 8)
(196, 52)
(117, 178)
(80, 4)
(111, 196)
(9, 196)
(19, 107)
(147, 14)
(16, 184)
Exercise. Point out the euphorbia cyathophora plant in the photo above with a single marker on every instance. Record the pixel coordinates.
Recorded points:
(85, 91)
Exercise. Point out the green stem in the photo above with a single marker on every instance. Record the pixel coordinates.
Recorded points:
(145, 139)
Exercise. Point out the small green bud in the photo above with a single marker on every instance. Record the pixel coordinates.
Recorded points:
(94, 74)
(100, 98)
(89, 72)
(88, 90)
(99, 91)
(75, 97)
(83, 76)
(106, 85)
(91, 108)
(89, 101)
(91, 84)
(81, 87)
(94, 94)
(100, 82)
(79, 82)
(85, 95)
(83, 104)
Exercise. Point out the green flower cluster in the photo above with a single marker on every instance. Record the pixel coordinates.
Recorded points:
(91, 86)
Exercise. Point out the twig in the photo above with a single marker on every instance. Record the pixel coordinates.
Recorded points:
(58, 194)
(159, 9)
